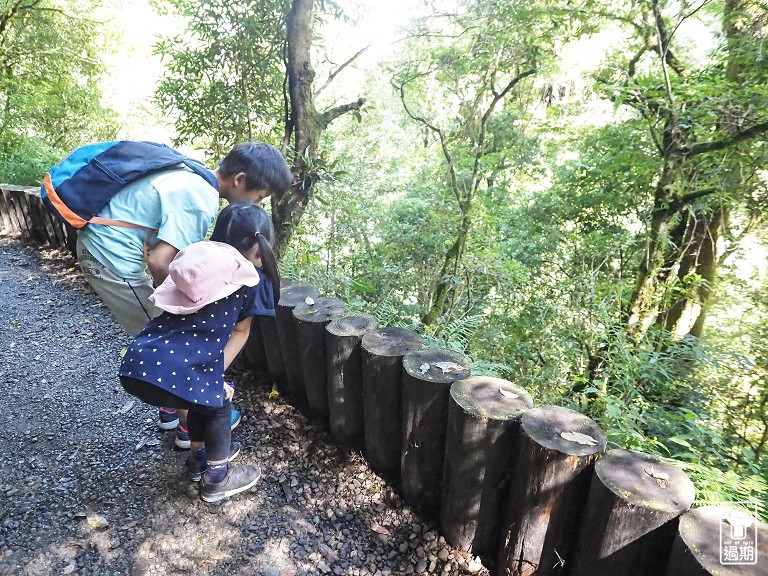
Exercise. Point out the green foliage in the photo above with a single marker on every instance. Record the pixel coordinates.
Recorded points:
(51, 69)
(25, 160)
(224, 74)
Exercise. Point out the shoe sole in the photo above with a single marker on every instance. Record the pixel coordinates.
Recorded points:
(168, 425)
(183, 444)
(198, 477)
(227, 493)
(236, 423)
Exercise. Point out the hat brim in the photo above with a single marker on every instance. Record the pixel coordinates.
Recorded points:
(171, 299)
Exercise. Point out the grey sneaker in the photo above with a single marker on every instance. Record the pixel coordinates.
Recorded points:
(239, 478)
(196, 469)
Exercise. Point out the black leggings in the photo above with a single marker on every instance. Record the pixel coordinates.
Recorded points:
(207, 424)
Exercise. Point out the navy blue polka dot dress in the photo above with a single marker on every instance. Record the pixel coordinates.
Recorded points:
(184, 354)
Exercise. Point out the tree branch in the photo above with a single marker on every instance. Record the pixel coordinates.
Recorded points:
(716, 145)
(330, 115)
(339, 69)
(440, 135)
(661, 31)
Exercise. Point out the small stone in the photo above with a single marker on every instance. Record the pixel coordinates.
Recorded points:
(474, 565)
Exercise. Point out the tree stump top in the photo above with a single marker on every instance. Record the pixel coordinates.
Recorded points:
(352, 325)
(285, 282)
(489, 397)
(564, 430)
(438, 365)
(295, 294)
(320, 309)
(644, 480)
(700, 530)
(391, 341)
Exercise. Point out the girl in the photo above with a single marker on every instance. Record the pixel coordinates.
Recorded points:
(213, 290)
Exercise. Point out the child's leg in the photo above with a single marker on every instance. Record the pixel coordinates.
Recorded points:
(197, 461)
(217, 433)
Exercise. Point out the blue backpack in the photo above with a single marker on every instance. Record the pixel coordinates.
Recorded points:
(83, 183)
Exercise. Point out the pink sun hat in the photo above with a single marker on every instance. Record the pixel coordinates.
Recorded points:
(202, 273)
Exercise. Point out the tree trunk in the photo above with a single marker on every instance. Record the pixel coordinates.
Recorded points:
(681, 253)
(305, 123)
(287, 211)
(443, 289)
(698, 236)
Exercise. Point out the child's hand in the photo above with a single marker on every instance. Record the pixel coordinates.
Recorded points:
(229, 391)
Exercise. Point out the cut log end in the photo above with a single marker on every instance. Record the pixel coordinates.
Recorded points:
(294, 294)
(322, 309)
(643, 480)
(437, 365)
(391, 341)
(702, 533)
(352, 325)
(564, 430)
(489, 397)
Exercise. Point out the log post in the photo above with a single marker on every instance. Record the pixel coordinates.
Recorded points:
(254, 355)
(631, 515)
(16, 226)
(719, 541)
(548, 486)
(483, 420)
(382, 354)
(25, 217)
(271, 343)
(290, 297)
(345, 377)
(310, 320)
(5, 213)
(427, 378)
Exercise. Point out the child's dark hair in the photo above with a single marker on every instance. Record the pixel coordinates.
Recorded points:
(244, 224)
(264, 166)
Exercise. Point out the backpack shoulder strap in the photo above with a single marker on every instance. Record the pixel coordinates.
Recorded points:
(198, 168)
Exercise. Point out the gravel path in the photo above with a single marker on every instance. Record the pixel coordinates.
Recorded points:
(89, 486)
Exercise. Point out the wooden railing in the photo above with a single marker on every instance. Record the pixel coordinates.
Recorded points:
(23, 214)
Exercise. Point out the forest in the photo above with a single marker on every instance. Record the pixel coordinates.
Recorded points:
(570, 192)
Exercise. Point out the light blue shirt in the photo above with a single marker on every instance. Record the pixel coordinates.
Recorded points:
(176, 206)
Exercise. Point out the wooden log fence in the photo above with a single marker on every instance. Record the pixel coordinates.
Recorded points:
(382, 365)
(344, 366)
(483, 421)
(290, 297)
(548, 488)
(631, 515)
(427, 377)
(310, 319)
(720, 540)
(516, 484)
(24, 215)
(268, 339)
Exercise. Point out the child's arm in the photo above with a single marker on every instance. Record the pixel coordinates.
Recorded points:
(236, 341)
